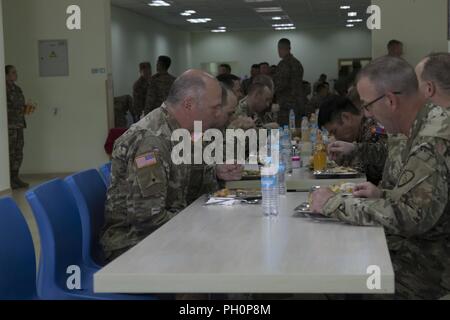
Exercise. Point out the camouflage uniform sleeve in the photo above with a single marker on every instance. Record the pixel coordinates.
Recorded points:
(367, 155)
(414, 205)
(150, 172)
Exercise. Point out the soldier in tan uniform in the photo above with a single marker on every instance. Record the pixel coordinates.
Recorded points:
(140, 90)
(16, 125)
(289, 83)
(412, 202)
(160, 85)
(361, 142)
(147, 188)
(433, 73)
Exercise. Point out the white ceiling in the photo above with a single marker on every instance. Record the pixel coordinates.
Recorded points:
(238, 15)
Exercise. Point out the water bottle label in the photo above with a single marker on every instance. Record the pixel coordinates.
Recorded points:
(268, 182)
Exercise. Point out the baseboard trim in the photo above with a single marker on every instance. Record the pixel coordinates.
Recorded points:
(48, 176)
(6, 192)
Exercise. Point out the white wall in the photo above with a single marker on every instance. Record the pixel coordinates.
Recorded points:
(318, 50)
(420, 24)
(73, 139)
(136, 38)
(4, 152)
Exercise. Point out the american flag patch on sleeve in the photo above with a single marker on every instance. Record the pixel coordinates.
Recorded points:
(146, 160)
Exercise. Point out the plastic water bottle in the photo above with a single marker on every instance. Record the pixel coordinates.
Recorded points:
(282, 178)
(305, 129)
(292, 124)
(286, 149)
(270, 190)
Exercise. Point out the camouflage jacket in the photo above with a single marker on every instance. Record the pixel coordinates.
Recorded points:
(158, 91)
(140, 89)
(289, 83)
(371, 151)
(147, 189)
(414, 208)
(16, 107)
(261, 119)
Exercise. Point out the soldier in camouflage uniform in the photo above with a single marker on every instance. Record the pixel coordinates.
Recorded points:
(140, 90)
(147, 188)
(412, 203)
(289, 84)
(160, 85)
(16, 126)
(361, 142)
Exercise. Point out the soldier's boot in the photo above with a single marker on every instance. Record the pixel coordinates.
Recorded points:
(17, 183)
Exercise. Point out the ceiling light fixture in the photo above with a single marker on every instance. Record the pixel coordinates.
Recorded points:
(345, 7)
(354, 20)
(352, 14)
(283, 25)
(285, 28)
(268, 9)
(349, 25)
(185, 14)
(222, 28)
(256, 1)
(159, 3)
(191, 11)
(218, 30)
(276, 18)
(199, 20)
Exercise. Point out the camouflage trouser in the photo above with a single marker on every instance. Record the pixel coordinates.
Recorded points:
(16, 144)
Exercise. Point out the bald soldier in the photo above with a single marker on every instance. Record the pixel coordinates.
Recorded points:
(412, 201)
(288, 83)
(147, 188)
(433, 73)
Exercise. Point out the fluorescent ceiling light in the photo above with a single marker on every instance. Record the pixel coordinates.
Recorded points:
(276, 18)
(255, 1)
(285, 28)
(345, 7)
(218, 30)
(283, 25)
(159, 3)
(185, 14)
(222, 28)
(349, 25)
(199, 20)
(268, 9)
(191, 11)
(354, 20)
(352, 14)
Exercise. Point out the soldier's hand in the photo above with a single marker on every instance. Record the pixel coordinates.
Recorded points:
(244, 123)
(367, 190)
(340, 148)
(319, 198)
(229, 172)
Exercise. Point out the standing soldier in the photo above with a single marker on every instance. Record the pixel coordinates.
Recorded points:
(17, 108)
(140, 89)
(160, 85)
(288, 83)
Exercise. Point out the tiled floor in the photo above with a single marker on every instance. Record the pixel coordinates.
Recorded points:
(19, 197)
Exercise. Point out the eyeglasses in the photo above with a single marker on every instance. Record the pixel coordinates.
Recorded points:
(367, 105)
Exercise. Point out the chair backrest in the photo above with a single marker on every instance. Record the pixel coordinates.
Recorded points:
(59, 224)
(105, 171)
(89, 191)
(17, 257)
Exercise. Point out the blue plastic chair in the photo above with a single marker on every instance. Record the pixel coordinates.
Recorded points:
(89, 191)
(17, 258)
(105, 171)
(60, 231)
